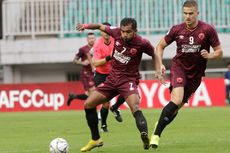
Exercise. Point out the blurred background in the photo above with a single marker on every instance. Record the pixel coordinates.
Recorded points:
(39, 41)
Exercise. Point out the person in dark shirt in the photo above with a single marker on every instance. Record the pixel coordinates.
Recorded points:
(122, 79)
(193, 40)
(227, 83)
(87, 69)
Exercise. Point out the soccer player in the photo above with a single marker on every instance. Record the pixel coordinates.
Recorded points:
(87, 69)
(193, 39)
(102, 50)
(122, 79)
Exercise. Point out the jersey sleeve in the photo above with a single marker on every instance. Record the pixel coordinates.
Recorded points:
(170, 36)
(148, 48)
(79, 54)
(112, 31)
(213, 37)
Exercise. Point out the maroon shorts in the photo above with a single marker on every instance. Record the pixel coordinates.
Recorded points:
(111, 88)
(87, 80)
(178, 78)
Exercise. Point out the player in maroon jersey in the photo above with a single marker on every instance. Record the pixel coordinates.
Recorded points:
(122, 79)
(101, 50)
(87, 69)
(193, 39)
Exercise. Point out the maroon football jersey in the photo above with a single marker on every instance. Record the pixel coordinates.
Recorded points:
(83, 55)
(189, 44)
(127, 56)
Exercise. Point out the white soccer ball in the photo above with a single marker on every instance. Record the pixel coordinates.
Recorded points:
(59, 145)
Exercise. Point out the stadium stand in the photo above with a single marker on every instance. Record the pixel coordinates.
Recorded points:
(41, 35)
(58, 17)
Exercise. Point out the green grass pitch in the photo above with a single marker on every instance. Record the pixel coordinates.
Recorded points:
(195, 130)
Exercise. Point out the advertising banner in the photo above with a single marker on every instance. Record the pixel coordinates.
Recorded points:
(53, 96)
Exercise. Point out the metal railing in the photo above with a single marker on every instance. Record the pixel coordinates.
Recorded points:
(58, 17)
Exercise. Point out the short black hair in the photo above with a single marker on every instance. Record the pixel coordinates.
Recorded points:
(129, 21)
(106, 23)
(90, 33)
(228, 63)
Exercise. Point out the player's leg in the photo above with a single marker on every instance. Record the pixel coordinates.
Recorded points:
(89, 86)
(84, 96)
(101, 95)
(130, 92)
(115, 108)
(168, 113)
(90, 104)
(78, 96)
(98, 79)
(73, 96)
(133, 101)
(104, 114)
(171, 109)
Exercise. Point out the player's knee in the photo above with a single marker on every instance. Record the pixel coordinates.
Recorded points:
(88, 105)
(135, 106)
(134, 109)
(177, 101)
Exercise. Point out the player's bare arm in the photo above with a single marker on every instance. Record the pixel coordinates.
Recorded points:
(159, 67)
(99, 62)
(216, 54)
(90, 59)
(82, 27)
(78, 61)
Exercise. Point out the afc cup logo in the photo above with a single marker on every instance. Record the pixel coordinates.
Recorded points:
(179, 80)
(133, 51)
(201, 36)
(91, 83)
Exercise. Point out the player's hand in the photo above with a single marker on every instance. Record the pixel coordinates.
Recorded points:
(160, 77)
(204, 53)
(80, 27)
(163, 69)
(161, 74)
(94, 70)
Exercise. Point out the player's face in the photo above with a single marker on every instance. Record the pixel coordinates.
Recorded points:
(91, 39)
(190, 16)
(105, 35)
(127, 33)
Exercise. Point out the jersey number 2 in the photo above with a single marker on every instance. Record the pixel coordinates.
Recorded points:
(131, 86)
